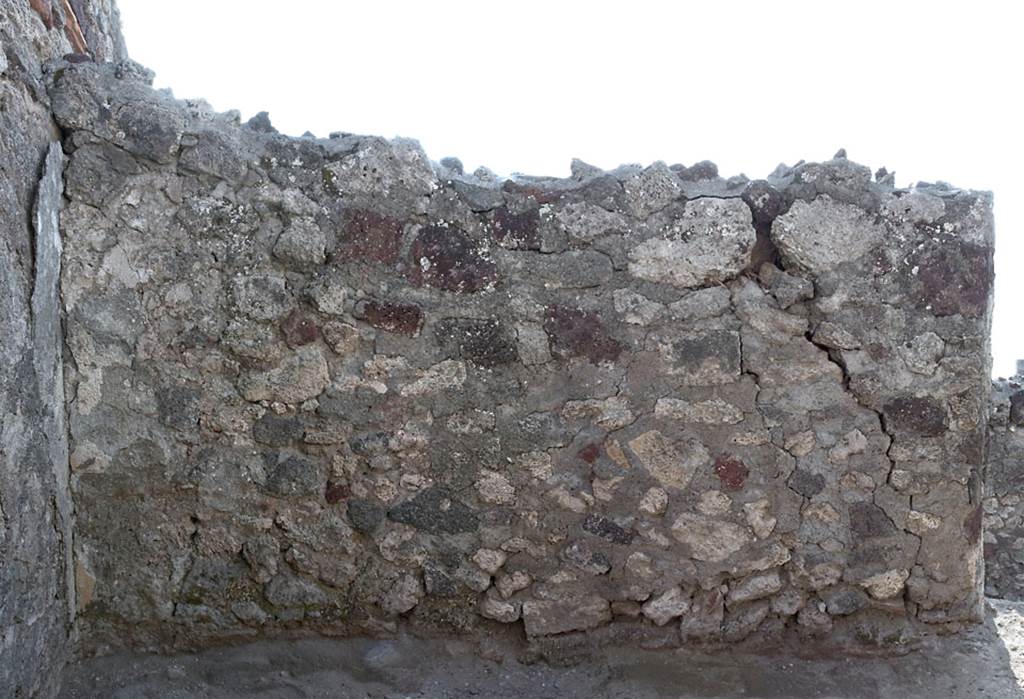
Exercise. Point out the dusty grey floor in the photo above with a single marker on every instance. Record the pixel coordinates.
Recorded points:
(987, 662)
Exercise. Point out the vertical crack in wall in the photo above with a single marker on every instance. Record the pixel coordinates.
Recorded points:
(836, 357)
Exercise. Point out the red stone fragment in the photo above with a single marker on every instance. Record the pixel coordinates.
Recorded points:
(401, 318)
(589, 453)
(955, 278)
(368, 235)
(299, 329)
(516, 231)
(539, 194)
(578, 333)
(337, 492)
(445, 258)
(923, 416)
(731, 471)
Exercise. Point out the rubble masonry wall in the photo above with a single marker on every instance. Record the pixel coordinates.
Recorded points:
(327, 384)
(1004, 486)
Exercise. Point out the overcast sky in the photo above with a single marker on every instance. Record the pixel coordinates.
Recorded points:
(931, 90)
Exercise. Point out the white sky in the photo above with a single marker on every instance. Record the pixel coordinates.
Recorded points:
(930, 90)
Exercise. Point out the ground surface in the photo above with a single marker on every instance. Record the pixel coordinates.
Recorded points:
(987, 662)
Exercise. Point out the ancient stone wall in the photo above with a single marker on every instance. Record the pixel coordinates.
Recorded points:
(1004, 491)
(329, 385)
(36, 602)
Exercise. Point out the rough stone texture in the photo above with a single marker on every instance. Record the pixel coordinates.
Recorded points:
(36, 601)
(302, 385)
(1004, 491)
(325, 384)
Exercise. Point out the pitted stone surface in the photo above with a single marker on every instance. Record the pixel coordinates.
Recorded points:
(709, 242)
(327, 384)
(816, 236)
